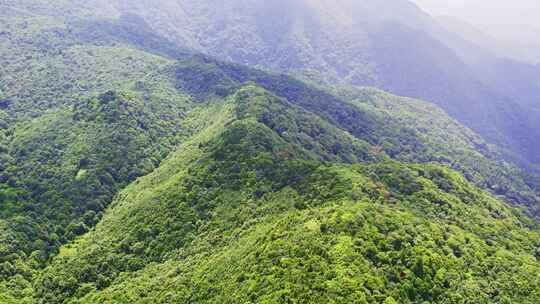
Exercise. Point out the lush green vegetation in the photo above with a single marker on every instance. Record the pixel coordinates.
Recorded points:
(65, 167)
(241, 213)
(405, 129)
(76, 160)
(81, 116)
(131, 171)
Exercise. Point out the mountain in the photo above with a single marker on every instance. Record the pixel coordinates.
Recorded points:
(393, 46)
(241, 212)
(126, 158)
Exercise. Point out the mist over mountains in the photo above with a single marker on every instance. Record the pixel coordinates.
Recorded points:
(504, 21)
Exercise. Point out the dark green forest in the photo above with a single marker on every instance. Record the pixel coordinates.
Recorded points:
(135, 169)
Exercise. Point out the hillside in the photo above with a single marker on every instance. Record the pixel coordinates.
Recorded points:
(405, 129)
(241, 212)
(124, 157)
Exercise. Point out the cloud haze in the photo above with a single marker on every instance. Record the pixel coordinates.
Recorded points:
(515, 24)
(487, 12)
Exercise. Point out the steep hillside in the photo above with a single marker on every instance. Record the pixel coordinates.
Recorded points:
(84, 112)
(243, 212)
(390, 45)
(405, 129)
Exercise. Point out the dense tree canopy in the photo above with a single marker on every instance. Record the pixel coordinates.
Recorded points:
(249, 214)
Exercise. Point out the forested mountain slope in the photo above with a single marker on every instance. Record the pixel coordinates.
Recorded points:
(91, 105)
(392, 45)
(243, 212)
(405, 129)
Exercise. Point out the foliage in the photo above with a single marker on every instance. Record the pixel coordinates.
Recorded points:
(241, 213)
(405, 129)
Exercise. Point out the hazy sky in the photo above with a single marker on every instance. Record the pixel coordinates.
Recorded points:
(487, 12)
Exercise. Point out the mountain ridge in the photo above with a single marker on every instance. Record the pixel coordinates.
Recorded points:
(240, 159)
